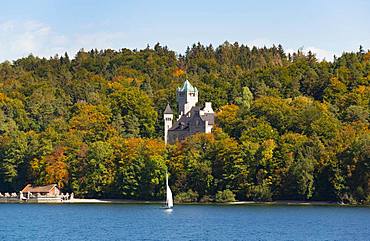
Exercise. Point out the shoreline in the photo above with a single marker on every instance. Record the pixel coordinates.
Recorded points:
(123, 201)
(126, 201)
(277, 202)
(272, 203)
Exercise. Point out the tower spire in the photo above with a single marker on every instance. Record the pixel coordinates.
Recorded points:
(187, 97)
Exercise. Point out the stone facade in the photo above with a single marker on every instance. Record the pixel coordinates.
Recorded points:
(191, 119)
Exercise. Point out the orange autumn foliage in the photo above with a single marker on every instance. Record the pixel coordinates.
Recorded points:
(56, 167)
(178, 72)
(134, 147)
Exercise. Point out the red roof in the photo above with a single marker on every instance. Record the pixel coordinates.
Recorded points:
(38, 189)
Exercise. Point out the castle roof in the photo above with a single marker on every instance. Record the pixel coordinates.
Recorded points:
(168, 110)
(183, 122)
(187, 87)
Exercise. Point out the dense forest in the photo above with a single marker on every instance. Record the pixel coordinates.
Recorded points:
(288, 126)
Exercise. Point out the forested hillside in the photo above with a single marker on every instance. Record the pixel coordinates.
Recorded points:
(288, 126)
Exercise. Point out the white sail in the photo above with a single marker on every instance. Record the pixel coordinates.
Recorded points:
(169, 199)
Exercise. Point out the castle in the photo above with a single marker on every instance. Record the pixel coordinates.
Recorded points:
(191, 119)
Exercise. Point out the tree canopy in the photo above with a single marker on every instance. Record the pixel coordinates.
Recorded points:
(288, 126)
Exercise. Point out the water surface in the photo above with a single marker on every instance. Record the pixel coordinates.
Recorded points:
(186, 222)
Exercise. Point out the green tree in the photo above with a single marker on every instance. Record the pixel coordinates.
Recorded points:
(246, 99)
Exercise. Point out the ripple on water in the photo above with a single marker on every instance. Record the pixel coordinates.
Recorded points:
(185, 222)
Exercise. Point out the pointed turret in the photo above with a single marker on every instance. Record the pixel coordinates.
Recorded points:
(168, 120)
(168, 109)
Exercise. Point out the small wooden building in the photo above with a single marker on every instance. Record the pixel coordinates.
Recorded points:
(48, 190)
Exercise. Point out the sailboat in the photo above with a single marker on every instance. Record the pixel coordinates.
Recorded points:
(169, 199)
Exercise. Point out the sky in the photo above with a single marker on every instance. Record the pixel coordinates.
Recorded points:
(48, 27)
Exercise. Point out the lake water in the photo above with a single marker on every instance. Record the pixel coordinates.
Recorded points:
(185, 222)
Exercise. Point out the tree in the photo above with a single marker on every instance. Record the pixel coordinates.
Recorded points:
(227, 118)
(135, 107)
(357, 172)
(90, 122)
(300, 157)
(93, 170)
(13, 149)
(190, 164)
(245, 100)
(52, 168)
(141, 168)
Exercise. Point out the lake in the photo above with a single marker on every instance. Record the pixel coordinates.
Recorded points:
(185, 222)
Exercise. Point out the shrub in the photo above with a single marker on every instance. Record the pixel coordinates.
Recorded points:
(260, 192)
(225, 196)
(367, 201)
(187, 197)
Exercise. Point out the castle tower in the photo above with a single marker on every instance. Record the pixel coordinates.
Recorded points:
(187, 97)
(168, 120)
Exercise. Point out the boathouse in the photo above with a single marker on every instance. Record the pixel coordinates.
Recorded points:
(48, 190)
